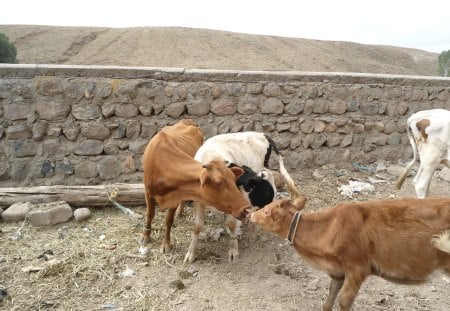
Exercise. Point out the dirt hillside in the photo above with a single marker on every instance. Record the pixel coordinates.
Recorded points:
(209, 49)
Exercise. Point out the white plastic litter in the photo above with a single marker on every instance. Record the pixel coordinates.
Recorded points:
(143, 250)
(355, 187)
(127, 273)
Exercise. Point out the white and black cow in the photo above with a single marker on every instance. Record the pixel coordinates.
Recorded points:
(429, 134)
(251, 151)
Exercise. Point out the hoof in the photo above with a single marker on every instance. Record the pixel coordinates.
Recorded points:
(189, 257)
(233, 255)
(165, 248)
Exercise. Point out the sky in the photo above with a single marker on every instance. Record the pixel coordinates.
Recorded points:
(416, 24)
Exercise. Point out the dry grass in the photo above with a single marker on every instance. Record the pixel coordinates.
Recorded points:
(81, 265)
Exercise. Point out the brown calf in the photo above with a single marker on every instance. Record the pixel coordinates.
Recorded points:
(171, 176)
(401, 240)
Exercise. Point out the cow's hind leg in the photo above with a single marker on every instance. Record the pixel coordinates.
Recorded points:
(151, 203)
(233, 252)
(423, 179)
(170, 215)
(180, 210)
(199, 221)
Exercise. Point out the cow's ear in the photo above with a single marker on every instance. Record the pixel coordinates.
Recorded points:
(230, 164)
(237, 171)
(299, 203)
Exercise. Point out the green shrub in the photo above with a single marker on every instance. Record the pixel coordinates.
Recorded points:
(8, 51)
(444, 63)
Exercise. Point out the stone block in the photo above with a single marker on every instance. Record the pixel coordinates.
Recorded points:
(52, 111)
(444, 174)
(17, 211)
(44, 214)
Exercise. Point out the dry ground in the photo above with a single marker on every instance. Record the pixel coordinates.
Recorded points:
(91, 257)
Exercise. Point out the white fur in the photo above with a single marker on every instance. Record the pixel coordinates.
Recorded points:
(432, 151)
(243, 148)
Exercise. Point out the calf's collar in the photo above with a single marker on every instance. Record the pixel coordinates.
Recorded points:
(293, 227)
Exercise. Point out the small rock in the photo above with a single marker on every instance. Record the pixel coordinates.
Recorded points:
(109, 306)
(396, 170)
(263, 238)
(81, 214)
(381, 166)
(46, 255)
(3, 293)
(185, 274)
(111, 261)
(317, 175)
(192, 270)
(444, 174)
(17, 211)
(279, 269)
(177, 284)
(62, 232)
(340, 173)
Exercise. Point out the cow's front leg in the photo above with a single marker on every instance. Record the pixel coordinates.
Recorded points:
(151, 203)
(199, 221)
(170, 215)
(233, 252)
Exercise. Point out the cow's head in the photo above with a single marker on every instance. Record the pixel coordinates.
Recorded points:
(274, 216)
(258, 187)
(218, 188)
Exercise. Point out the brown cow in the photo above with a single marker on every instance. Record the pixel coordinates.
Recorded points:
(401, 240)
(171, 176)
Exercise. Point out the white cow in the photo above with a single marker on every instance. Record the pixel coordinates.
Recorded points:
(250, 149)
(429, 134)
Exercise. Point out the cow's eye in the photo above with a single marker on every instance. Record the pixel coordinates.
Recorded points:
(219, 184)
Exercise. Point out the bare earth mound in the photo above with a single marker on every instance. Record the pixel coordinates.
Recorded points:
(209, 49)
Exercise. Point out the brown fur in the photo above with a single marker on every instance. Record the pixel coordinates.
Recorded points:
(171, 176)
(422, 126)
(399, 240)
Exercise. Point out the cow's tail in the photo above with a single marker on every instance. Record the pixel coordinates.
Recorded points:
(442, 242)
(415, 158)
(289, 181)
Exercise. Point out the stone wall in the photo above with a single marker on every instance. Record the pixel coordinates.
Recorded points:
(79, 125)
